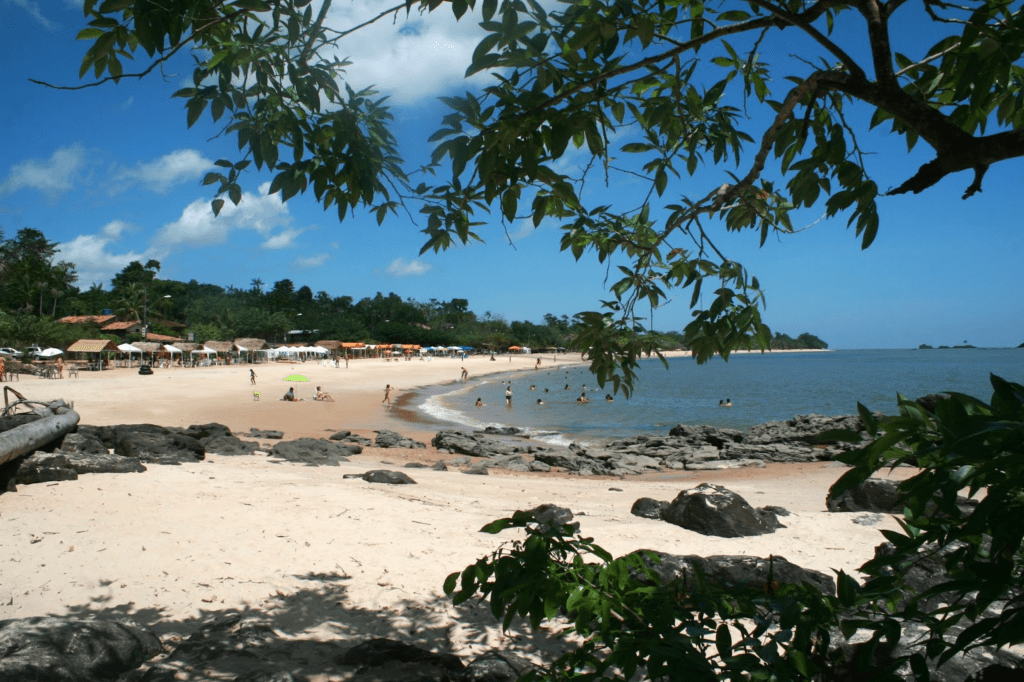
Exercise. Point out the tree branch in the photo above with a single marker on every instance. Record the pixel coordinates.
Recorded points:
(878, 38)
(314, 31)
(975, 154)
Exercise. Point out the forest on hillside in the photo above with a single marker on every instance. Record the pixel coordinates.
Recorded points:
(38, 290)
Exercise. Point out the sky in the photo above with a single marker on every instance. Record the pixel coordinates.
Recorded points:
(114, 175)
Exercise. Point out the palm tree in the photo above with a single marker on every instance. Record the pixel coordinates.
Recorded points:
(133, 299)
(257, 286)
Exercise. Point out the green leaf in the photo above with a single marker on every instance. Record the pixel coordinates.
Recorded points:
(252, 5)
(217, 205)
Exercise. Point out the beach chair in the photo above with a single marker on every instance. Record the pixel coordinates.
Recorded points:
(256, 396)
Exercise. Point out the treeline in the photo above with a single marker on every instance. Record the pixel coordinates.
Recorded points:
(37, 291)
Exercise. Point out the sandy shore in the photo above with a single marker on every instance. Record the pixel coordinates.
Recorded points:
(324, 560)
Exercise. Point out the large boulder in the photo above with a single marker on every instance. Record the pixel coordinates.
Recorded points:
(702, 434)
(496, 666)
(105, 463)
(159, 448)
(42, 467)
(401, 662)
(711, 509)
(202, 432)
(648, 508)
(392, 439)
(314, 451)
(383, 476)
(475, 444)
(873, 495)
(83, 442)
(550, 515)
(737, 571)
(803, 428)
(228, 445)
(44, 649)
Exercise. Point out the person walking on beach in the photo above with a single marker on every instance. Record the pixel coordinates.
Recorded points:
(387, 395)
(508, 395)
(537, 366)
(465, 374)
(252, 376)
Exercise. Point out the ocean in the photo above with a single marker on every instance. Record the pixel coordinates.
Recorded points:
(769, 387)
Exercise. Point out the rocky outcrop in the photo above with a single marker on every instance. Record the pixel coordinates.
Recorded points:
(230, 446)
(873, 495)
(476, 444)
(391, 439)
(314, 451)
(383, 476)
(72, 649)
(736, 571)
(42, 467)
(811, 429)
(265, 434)
(711, 509)
(159, 448)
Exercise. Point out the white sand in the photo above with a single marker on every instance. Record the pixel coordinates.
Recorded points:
(321, 558)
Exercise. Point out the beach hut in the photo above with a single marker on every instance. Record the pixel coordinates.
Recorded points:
(152, 348)
(93, 350)
(129, 350)
(173, 350)
(222, 348)
(255, 350)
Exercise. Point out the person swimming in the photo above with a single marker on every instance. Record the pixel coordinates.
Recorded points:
(567, 387)
(539, 401)
(533, 387)
(582, 398)
(728, 402)
(608, 398)
(479, 402)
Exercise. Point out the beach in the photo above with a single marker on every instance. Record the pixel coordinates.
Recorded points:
(328, 562)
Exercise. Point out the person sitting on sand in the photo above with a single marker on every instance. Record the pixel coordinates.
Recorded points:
(582, 398)
(320, 395)
(479, 402)
(608, 398)
(290, 395)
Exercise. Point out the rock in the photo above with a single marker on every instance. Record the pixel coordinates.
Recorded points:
(358, 440)
(479, 469)
(229, 446)
(72, 649)
(718, 464)
(774, 509)
(737, 571)
(539, 466)
(503, 430)
(439, 466)
(496, 666)
(399, 662)
(340, 435)
(510, 462)
(702, 433)
(159, 448)
(873, 495)
(41, 467)
(475, 444)
(775, 452)
(804, 428)
(460, 462)
(205, 431)
(868, 519)
(268, 434)
(416, 465)
(105, 463)
(84, 443)
(391, 439)
(648, 508)
(314, 451)
(549, 515)
(711, 509)
(15, 420)
(383, 476)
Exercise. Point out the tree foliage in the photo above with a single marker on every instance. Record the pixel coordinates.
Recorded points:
(630, 623)
(654, 90)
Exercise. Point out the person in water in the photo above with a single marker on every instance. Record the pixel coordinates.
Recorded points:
(582, 398)
(539, 401)
(728, 402)
(608, 398)
(508, 395)
(479, 402)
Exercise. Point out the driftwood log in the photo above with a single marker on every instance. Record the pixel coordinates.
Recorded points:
(27, 438)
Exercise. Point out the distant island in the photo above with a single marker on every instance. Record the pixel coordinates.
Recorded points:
(925, 346)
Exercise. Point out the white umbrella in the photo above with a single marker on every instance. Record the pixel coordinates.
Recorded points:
(128, 348)
(171, 349)
(50, 352)
(319, 350)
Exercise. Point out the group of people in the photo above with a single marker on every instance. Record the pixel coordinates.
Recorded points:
(322, 396)
(725, 403)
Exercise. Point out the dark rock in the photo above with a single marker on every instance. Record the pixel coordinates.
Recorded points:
(387, 652)
(479, 469)
(265, 676)
(550, 515)
(778, 511)
(539, 466)
(416, 465)
(648, 508)
(775, 452)
(265, 434)
(340, 435)
(84, 443)
(503, 430)
(804, 428)
(15, 420)
(314, 451)
(475, 444)
(41, 467)
(105, 463)
(711, 509)
(738, 571)
(72, 649)
(717, 464)
(203, 431)
(873, 495)
(159, 448)
(868, 519)
(702, 433)
(496, 666)
(229, 446)
(510, 462)
(440, 466)
(391, 439)
(383, 476)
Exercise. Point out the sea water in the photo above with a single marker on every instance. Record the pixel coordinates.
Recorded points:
(768, 387)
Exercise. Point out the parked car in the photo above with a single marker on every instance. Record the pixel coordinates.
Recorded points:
(34, 351)
(10, 352)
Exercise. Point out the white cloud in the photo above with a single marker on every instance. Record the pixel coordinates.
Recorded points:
(197, 225)
(311, 262)
(163, 173)
(95, 260)
(282, 240)
(408, 58)
(52, 177)
(33, 9)
(403, 268)
(115, 228)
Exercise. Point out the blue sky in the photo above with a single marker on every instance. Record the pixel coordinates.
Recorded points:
(113, 174)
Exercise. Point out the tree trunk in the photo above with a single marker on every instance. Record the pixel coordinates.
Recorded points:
(27, 438)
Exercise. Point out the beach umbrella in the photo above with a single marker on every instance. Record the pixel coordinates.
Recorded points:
(296, 377)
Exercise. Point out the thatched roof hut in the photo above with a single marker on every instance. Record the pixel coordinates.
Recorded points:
(251, 344)
(149, 346)
(92, 346)
(330, 345)
(188, 346)
(220, 346)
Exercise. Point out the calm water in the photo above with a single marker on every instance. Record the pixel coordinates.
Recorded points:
(762, 388)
